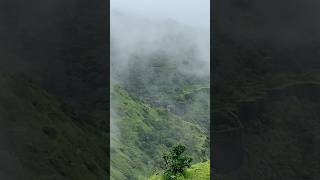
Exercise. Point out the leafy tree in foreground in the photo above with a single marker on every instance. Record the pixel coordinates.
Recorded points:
(175, 162)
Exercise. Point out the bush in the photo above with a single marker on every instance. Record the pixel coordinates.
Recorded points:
(175, 162)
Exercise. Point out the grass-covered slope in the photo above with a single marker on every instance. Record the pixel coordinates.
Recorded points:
(164, 81)
(39, 141)
(199, 171)
(141, 133)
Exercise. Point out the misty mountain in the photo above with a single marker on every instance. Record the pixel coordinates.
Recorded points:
(160, 76)
(169, 69)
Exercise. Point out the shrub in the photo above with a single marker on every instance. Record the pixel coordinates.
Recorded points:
(175, 162)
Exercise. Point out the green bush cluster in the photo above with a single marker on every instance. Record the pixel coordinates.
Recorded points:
(175, 162)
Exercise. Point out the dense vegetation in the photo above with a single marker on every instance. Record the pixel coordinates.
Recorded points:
(159, 81)
(144, 132)
(175, 162)
(199, 171)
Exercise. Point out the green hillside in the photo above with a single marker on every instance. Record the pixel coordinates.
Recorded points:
(35, 128)
(161, 81)
(199, 171)
(159, 98)
(144, 132)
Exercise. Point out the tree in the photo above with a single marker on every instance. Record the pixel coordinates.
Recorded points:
(175, 162)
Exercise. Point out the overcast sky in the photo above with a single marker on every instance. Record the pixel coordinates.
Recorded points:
(192, 12)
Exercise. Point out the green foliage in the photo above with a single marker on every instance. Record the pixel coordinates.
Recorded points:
(175, 162)
(144, 132)
(199, 171)
(159, 81)
(158, 102)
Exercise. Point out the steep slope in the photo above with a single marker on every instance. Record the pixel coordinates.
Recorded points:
(199, 171)
(164, 64)
(161, 81)
(140, 134)
(40, 141)
(161, 93)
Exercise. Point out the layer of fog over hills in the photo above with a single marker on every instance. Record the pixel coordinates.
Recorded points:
(154, 57)
(135, 35)
(160, 81)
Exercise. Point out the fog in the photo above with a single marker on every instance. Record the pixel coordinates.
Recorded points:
(171, 26)
(144, 34)
(191, 12)
(135, 34)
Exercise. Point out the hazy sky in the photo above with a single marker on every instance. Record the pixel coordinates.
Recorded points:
(192, 12)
